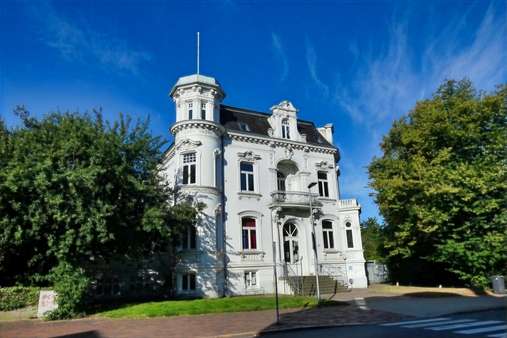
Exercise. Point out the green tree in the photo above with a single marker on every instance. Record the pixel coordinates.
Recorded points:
(75, 190)
(441, 187)
(371, 235)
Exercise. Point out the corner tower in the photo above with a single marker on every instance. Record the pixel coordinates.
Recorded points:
(198, 157)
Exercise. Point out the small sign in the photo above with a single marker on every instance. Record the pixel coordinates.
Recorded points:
(47, 302)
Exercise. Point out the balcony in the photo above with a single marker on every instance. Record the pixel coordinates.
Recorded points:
(348, 203)
(297, 199)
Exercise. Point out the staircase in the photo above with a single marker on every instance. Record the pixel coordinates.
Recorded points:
(306, 285)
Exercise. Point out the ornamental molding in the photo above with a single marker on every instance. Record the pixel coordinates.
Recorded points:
(197, 124)
(187, 144)
(289, 152)
(324, 165)
(249, 156)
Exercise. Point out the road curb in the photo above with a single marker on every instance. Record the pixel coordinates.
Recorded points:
(306, 327)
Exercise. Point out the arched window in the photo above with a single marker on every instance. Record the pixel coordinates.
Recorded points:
(248, 227)
(327, 234)
(350, 239)
(285, 129)
(290, 243)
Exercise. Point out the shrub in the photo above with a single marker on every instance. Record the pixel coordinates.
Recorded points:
(16, 297)
(71, 285)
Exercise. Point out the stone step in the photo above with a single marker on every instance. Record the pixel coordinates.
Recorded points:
(306, 285)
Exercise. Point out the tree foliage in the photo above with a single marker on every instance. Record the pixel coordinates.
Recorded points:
(372, 238)
(75, 189)
(441, 187)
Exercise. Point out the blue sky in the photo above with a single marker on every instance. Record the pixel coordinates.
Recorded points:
(357, 64)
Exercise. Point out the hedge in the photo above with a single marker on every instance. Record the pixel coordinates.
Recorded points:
(16, 297)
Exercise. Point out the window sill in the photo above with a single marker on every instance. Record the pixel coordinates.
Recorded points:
(252, 255)
(251, 252)
(326, 199)
(188, 252)
(331, 251)
(249, 194)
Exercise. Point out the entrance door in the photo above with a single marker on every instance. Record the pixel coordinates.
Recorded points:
(290, 243)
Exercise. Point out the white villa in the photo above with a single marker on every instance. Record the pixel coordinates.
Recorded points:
(259, 175)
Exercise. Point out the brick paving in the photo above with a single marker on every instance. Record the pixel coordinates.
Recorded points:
(212, 325)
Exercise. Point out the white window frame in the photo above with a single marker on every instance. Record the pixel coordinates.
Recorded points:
(247, 174)
(349, 231)
(285, 129)
(328, 235)
(190, 110)
(187, 276)
(249, 235)
(250, 279)
(187, 164)
(203, 110)
(188, 244)
(323, 184)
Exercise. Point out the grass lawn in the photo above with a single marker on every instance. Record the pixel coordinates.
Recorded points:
(210, 305)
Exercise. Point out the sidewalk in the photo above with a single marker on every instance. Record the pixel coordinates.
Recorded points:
(214, 325)
(420, 306)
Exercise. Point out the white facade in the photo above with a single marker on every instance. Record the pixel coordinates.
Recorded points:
(252, 170)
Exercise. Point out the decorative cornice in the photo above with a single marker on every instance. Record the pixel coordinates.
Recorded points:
(280, 143)
(202, 124)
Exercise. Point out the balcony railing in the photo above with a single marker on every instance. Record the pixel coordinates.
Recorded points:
(348, 203)
(295, 198)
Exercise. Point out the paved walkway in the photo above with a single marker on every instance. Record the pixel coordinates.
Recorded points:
(214, 325)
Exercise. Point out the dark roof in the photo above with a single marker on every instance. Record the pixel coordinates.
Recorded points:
(237, 119)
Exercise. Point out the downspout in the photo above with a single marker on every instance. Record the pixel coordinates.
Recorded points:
(222, 192)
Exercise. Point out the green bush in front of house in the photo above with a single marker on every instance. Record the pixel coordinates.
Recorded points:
(71, 285)
(17, 297)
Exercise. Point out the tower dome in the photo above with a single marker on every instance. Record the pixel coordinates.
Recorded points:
(197, 97)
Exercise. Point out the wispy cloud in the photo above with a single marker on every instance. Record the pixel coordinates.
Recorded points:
(389, 82)
(281, 55)
(84, 44)
(311, 61)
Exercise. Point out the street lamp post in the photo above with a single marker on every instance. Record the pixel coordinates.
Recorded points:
(314, 242)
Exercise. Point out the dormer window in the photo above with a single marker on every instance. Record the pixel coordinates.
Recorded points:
(285, 129)
(203, 110)
(190, 111)
(243, 126)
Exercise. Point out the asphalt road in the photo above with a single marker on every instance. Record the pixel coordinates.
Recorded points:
(484, 324)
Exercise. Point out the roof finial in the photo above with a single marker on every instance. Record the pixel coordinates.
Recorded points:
(197, 53)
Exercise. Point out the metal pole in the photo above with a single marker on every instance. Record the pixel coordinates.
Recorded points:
(275, 276)
(198, 51)
(314, 248)
(276, 282)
